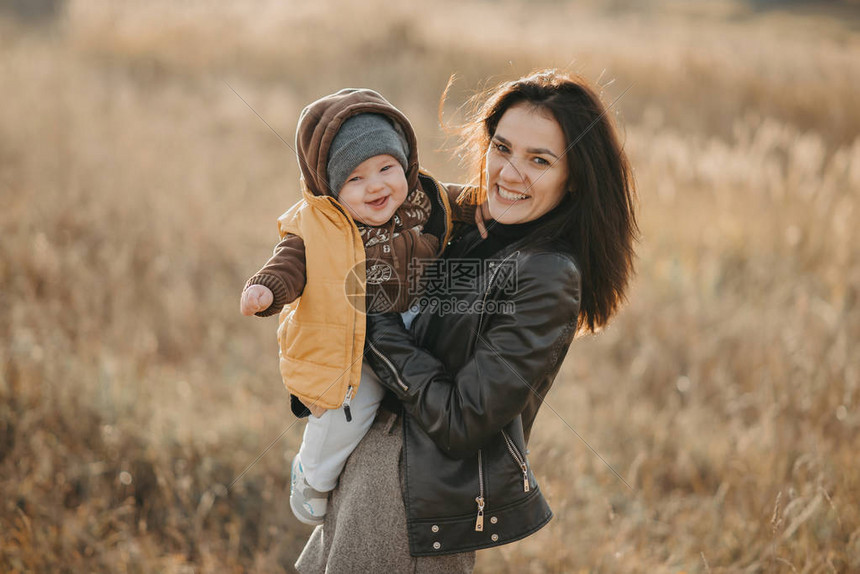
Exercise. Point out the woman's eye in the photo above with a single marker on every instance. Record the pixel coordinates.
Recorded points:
(541, 161)
(501, 147)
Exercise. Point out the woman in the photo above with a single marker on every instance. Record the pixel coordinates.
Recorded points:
(444, 471)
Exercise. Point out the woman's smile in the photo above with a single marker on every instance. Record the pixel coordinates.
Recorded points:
(510, 196)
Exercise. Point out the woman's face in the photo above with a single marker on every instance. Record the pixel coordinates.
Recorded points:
(526, 165)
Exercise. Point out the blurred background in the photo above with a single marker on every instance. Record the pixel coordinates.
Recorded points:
(139, 188)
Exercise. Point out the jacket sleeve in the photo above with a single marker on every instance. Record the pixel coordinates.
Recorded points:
(284, 274)
(515, 352)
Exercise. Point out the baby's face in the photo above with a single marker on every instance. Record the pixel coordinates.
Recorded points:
(374, 190)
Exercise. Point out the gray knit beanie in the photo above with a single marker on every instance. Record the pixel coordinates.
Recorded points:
(359, 138)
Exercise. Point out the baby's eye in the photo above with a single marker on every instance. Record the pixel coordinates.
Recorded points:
(353, 178)
(386, 167)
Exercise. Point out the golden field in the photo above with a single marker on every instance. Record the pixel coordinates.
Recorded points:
(143, 424)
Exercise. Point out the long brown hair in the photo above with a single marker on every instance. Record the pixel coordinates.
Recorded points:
(599, 220)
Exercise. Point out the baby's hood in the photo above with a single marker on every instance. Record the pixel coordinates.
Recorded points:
(320, 122)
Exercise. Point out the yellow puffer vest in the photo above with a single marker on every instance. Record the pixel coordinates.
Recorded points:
(321, 334)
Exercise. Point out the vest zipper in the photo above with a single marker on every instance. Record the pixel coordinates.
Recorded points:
(479, 523)
(346, 401)
(400, 383)
(520, 460)
(354, 228)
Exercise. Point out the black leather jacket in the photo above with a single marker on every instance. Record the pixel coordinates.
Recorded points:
(470, 383)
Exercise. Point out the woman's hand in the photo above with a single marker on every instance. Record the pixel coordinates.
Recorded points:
(255, 298)
(482, 214)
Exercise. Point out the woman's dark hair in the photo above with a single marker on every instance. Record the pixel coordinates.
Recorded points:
(598, 221)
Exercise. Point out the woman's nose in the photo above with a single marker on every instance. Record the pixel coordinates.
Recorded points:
(509, 172)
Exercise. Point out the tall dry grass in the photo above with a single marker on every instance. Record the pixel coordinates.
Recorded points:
(137, 192)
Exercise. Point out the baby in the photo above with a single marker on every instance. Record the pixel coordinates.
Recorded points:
(366, 221)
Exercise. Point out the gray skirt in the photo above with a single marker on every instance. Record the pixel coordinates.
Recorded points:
(365, 527)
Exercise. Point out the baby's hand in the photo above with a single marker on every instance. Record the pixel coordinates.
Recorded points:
(255, 298)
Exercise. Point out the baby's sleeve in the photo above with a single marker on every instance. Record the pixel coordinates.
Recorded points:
(284, 274)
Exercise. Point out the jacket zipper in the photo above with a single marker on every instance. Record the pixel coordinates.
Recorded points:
(479, 523)
(487, 292)
(520, 460)
(400, 383)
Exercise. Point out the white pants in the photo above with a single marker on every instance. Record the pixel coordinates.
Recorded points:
(330, 439)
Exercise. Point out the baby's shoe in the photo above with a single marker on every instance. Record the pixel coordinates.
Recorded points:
(308, 505)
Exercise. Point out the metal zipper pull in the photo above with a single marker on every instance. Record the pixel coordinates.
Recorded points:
(346, 401)
(400, 383)
(479, 523)
(512, 448)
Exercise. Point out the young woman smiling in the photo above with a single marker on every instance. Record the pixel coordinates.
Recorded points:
(444, 469)
(526, 167)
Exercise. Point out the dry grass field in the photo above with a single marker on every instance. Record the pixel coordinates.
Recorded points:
(138, 191)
